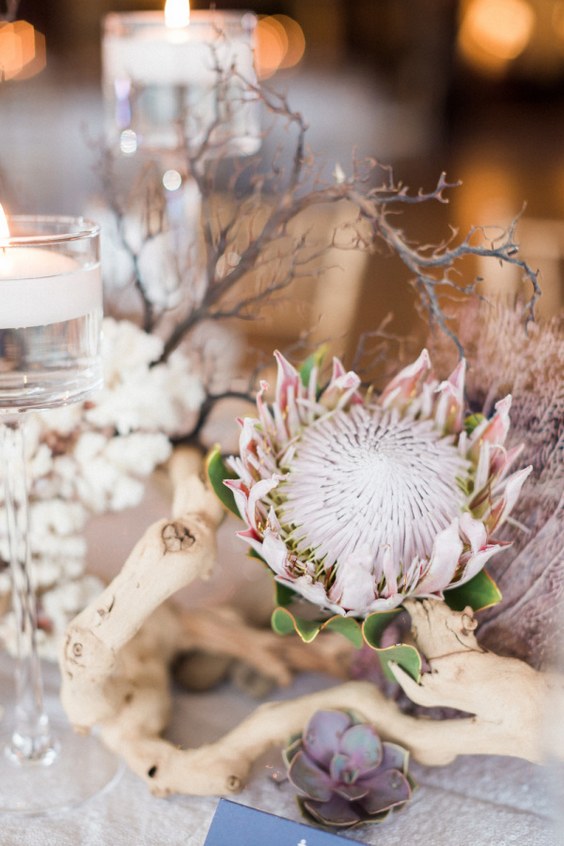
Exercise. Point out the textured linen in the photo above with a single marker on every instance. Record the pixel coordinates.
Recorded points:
(482, 801)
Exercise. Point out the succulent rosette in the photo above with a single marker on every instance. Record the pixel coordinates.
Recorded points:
(344, 773)
(357, 501)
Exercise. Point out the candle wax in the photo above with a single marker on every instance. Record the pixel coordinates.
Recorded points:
(160, 55)
(38, 287)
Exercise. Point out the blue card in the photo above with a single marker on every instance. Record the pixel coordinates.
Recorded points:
(238, 825)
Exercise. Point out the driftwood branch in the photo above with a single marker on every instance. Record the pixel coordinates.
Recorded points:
(117, 652)
(170, 554)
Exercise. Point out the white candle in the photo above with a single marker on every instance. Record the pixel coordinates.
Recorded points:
(38, 287)
(156, 54)
(159, 77)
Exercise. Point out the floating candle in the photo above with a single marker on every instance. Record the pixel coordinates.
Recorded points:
(170, 75)
(39, 286)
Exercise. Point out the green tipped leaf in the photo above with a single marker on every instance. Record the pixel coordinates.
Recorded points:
(284, 595)
(405, 656)
(375, 624)
(479, 593)
(348, 627)
(283, 622)
(313, 360)
(217, 471)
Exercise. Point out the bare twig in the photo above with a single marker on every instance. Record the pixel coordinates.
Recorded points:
(253, 230)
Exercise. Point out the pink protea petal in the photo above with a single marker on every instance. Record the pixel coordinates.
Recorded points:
(293, 419)
(474, 531)
(265, 416)
(267, 461)
(247, 437)
(482, 474)
(338, 369)
(251, 537)
(312, 591)
(449, 413)
(385, 604)
(475, 562)
(257, 493)
(274, 553)
(350, 380)
(390, 573)
(463, 443)
(254, 466)
(280, 423)
(494, 430)
(407, 383)
(342, 388)
(240, 468)
(287, 377)
(248, 501)
(445, 556)
(349, 385)
(503, 460)
(273, 521)
(240, 494)
(502, 508)
(354, 587)
(309, 404)
(271, 549)
(423, 404)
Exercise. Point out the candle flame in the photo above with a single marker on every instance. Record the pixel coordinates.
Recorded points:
(4, 228)
(177, 13)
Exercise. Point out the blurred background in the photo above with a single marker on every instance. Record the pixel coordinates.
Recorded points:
(474, 88)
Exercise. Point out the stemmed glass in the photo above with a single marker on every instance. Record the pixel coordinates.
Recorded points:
(50, 325)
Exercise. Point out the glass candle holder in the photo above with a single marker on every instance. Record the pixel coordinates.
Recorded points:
(168, 87)
(50, 312)
(50, 326)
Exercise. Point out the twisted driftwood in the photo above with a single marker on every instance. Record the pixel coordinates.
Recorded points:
(117, 652)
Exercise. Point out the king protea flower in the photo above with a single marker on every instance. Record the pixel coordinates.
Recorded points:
(357, 502)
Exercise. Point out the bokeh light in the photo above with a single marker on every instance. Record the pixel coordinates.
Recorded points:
(177, 13)
(4, 228)
(172, 180)
(22, 51)
(495, 32)
(558, 18)
(128, 142)
(280, 44)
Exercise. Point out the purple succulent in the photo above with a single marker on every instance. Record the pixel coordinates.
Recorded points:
(344, 773)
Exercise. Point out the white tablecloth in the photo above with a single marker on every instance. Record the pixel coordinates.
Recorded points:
(476, 801)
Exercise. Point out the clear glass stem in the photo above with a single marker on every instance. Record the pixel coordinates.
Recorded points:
(31, 739)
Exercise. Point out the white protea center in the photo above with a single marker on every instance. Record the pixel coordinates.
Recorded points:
(358, 502)
(394, 486)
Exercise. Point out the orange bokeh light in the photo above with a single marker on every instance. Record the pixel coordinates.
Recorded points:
(280, 44)
(495, 32)
(22, 50)
(296, 41)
